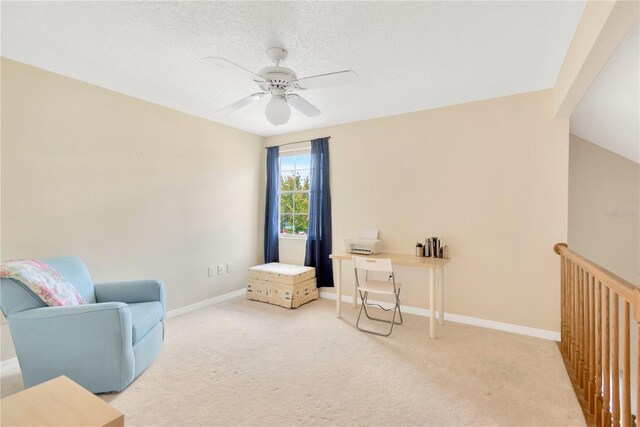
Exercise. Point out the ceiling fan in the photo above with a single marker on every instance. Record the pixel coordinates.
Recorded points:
(281, 83)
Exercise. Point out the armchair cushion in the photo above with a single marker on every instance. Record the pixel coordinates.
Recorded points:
(144, 317)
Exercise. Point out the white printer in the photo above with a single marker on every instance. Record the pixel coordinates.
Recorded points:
(367, 244)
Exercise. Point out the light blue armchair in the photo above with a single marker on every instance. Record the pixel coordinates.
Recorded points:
(102, 345)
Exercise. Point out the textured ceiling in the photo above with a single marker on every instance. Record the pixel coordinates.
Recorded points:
(609, 113)
(410, 55)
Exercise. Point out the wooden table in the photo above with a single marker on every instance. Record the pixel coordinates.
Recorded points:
(58, 402)
(436, 279)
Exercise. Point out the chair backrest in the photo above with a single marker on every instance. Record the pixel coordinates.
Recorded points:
(15, 296)
(372, 264)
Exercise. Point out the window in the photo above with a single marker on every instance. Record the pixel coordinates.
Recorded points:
(294, 193)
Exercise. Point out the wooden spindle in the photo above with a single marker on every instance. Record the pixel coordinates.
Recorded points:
(592, 346)
(579, 322)
(637, 367)
(615, 368)
(563, 299)
(626, 369)
(570, 309)
(606, 374)
(565, 347)
(572, 314)
(587, 338)
(572, 317)
(598, 338)
(581, 329)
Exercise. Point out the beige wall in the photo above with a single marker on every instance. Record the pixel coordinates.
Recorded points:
(488, 177)
(136, 190)
(604, 204)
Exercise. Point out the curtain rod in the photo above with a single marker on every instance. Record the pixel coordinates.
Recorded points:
(296, 142)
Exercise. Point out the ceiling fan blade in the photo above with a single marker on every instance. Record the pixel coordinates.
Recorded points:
(338, 78)
(302, 105)
(234, 68)
(239, 104)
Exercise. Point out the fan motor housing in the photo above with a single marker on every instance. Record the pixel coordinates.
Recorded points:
(277, 77)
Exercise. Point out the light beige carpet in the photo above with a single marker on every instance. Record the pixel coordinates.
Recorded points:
(249, 363)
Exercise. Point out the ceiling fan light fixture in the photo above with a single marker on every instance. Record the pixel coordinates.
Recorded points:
(277, 111)
(282, 84)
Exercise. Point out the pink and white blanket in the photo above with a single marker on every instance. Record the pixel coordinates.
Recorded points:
(43, 280)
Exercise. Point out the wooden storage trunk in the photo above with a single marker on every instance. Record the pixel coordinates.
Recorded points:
(285, 285)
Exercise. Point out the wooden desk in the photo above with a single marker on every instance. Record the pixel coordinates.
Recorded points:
(58, 402)
(436, 278)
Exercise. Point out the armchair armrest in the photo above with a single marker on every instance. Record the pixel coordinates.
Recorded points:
(78, 341)
(51, 313)
(131, 291)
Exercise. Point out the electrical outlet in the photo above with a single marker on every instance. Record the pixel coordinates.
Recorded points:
(212, 271)
(229, 267)
(220, 269)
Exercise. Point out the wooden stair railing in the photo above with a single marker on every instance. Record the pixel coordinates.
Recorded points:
(591, 297)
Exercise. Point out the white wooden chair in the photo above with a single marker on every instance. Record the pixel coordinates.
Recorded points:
(380, 287)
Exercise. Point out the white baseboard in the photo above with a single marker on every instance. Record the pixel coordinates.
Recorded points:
(211, 301)
(457, 318)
